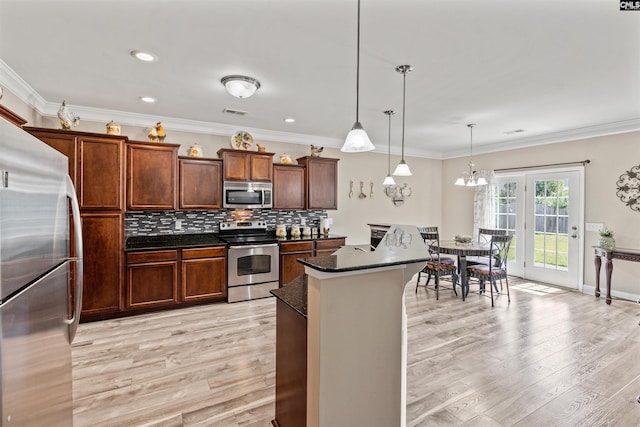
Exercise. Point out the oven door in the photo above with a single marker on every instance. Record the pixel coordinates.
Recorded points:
(251, 264)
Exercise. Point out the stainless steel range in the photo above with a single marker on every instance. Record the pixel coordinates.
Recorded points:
(252, 260)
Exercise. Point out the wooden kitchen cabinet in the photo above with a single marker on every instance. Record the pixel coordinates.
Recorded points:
(327, 247)
(321, 182)
(200, 183)
(240, 165)
(102, 235)
(290, 268)
(288, 187)
(204, 274)
(152, 279)
(152, 170)
(96, 165)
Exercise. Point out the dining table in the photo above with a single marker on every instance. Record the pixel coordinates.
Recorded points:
(462, 251)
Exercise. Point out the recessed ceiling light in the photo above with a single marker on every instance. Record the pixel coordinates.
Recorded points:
(144, 56)
(148, 99)
(289, 120)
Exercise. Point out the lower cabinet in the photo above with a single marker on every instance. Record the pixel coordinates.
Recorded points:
(173, 277)
(204, 274)
(152, 278)
(290, 268)
(103, 264)
(290, 252)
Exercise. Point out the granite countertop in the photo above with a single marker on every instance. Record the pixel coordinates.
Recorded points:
(172, 241)
(294, 294)
(402, 244)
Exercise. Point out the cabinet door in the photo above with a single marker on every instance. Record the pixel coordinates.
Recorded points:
(151, 176)
(200, 184)
(103, 263)
(236, 166)
(64, 143)
(327, 247)
(152, 279)
(101, 173)
(261, 166)
(288, 187)
(204, 278)
(290, 268)
(321, 182)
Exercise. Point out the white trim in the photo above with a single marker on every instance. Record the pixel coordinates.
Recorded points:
(590, 290)
(323, 275)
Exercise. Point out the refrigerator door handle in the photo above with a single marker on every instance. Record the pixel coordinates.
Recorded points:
(77, 228)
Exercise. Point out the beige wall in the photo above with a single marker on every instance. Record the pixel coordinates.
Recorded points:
(610, 157)
(435, 200)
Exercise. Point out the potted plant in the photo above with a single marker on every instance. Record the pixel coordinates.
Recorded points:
(606, 238)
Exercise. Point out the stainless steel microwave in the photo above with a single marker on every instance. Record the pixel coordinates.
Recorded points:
(247, 195)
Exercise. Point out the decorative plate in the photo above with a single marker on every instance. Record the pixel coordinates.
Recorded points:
(242, 141)
(629, 188)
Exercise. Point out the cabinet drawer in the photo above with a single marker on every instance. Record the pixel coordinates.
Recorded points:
(296, 246)
(139, 257)
(329, 244)
(203, 253)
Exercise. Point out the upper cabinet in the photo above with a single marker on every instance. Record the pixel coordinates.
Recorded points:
(240, 165)
(288, 187)
(152, 172)
(96, 165)
(200, 183)
(321, 182)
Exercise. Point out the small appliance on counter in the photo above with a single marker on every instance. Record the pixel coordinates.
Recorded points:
(252, 260)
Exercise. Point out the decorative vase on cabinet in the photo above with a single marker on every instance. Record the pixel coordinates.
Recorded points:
(607, 242)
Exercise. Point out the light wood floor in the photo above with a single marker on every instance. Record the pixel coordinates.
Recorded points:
(550, 358)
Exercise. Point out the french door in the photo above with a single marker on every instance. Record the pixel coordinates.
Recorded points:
(544, 212)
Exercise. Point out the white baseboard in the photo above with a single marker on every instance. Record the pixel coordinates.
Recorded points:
(587, 289)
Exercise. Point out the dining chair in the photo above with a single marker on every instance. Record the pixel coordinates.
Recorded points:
(496, 270)
(484, 238)
(437, 266)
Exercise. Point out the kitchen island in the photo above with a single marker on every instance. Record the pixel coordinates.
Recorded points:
(355, 329)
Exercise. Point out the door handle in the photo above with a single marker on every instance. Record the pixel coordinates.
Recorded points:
(77, 228)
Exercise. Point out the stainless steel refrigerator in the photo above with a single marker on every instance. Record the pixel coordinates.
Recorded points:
(37, 322)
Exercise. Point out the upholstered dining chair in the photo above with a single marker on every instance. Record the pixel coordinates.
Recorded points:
(496, 270)
(484, 237)
(437, 266)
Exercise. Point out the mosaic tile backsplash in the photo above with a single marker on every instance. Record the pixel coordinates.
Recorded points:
(164, 222)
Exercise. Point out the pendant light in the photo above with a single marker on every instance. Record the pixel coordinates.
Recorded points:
(470, 178)
(389, 179)
(403, 168)
(357, 139)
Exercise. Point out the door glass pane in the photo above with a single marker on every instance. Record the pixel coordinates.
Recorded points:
(506, 211)
(551, 224)
(254, 264)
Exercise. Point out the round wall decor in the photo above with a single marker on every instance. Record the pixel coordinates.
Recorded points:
(629, 188)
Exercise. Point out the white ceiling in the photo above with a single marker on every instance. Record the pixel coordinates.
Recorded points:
(557, 69)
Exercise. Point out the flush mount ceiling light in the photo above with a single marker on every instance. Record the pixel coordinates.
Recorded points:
(389, 179)
(144, 56)
(289, 120)
(403, 168)
(148, 99)
(471, 178)
(357, 139)
(240, 86)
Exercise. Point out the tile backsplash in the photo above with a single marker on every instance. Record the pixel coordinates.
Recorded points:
(189, 222)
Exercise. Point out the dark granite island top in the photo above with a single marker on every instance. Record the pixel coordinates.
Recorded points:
(402, 244)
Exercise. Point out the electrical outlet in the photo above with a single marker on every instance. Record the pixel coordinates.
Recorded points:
(593, 226)
(178, 224)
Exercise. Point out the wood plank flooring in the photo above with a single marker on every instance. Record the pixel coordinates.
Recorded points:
(550, 358)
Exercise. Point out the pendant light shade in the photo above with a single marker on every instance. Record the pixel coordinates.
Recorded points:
(470, 178)
(357, 139)
(403, 168)
(389, 179)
